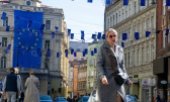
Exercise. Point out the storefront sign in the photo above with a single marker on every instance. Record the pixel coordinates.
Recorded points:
(163, 82)
(149, 82)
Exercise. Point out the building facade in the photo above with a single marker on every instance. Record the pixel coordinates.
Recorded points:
(136, 26)
(91, 65)
(78, 68)
(82, 77)
(53, 70)
(162, 61)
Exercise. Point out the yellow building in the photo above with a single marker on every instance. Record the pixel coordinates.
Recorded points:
(91, 65)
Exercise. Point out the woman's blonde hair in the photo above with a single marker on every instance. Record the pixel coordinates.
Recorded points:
(111, 30)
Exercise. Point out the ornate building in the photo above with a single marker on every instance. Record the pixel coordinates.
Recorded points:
(52, 63)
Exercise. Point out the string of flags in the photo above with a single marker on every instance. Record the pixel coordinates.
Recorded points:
(74, 52)
(95, 37)
(48, 52)
(108, 2)
(126, 2)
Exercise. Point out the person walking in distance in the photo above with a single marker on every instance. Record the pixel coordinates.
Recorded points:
(32, 92)
(11, 86)
(21, 86)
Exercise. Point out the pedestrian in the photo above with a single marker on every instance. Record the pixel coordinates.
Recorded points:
(21, 98)
(18, 96)
(111, 70)
(32, 88)
(158, 98)
(69, 99)
(11, 86)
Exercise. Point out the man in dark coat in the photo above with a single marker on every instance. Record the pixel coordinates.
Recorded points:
(11, 86)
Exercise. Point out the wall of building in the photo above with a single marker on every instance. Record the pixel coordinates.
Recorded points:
(91, 66)
(139, 54)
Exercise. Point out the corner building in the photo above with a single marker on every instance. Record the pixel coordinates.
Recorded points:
(52, 70)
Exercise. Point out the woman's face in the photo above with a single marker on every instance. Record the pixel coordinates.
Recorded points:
(112, 38)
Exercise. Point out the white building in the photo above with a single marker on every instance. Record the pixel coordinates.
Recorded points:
(139, 53)
(54, 70)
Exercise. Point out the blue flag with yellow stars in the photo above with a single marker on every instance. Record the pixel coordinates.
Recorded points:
(28, 34)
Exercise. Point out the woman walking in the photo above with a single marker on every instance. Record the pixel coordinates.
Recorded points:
(32, 92)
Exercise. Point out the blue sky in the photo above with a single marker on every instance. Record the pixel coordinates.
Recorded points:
(81, 15)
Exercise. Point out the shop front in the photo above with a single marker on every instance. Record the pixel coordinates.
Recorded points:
(161, 68)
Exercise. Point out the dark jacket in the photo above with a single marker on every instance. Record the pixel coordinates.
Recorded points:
(11, 82)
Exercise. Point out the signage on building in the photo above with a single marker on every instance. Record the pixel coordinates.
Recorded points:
(148, 82)
(163, 82)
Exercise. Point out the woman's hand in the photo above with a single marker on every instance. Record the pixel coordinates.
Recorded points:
(104, 80)
(129, 82)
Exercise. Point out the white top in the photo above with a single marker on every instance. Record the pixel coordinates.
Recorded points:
(117, 55)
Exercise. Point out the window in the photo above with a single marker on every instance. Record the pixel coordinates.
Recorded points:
(111, 22)
(152, 22)
(48, 24)
(108, 22)
(147, 2)
(127, 61)
(3, 62)
(47, 44)
(4, 41)
(28, 3)
(113, 19)
(116, 18)
(123, 16)
(134, 7)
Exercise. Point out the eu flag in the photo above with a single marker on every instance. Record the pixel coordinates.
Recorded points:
(90, 1)
(72, 50)
(124, 36)
(147, 33)
(104, 36)
(99, 35)
(167, 31)
(95, 50)
(72, 36)
(142, 2)
(125, 2)
(136, 35)
(107, 2)
(27, 39)
(82, 35)
(167, 2)
(123, 44)
(58, 54)
(69, 32)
